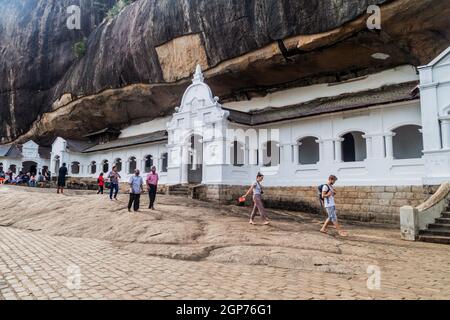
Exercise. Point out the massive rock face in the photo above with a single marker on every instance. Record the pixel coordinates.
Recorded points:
(137, 65)
(36, 50)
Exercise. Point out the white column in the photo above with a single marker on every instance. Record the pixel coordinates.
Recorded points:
(430, 112)
(184, 163)
(368, 146)
(389, 145)
(445, 129)
(286, 152)
(321, 153)
(378, 151)
(261, 156)
(296, 153)
(338, 149)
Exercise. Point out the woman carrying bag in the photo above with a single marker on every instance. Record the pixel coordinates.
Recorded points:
(257, 200)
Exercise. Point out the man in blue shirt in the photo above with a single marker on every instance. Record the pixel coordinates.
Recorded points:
(136, 188)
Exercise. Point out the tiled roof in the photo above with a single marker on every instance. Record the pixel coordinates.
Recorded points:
(4, 150)
(348, 101)
(10, 150)
(78, 145)
(158, 136)
(45, 152)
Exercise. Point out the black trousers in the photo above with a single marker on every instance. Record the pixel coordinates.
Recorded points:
(134, 201)
(152, 194)
(100, 190)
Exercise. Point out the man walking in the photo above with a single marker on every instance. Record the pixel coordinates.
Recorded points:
(152, 184)
(62, 178)
(328, 194)
(114, 177)
(136, 188)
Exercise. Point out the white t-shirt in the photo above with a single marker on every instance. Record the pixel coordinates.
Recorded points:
(329, 202)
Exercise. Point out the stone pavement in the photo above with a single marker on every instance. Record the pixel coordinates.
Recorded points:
(36, 266)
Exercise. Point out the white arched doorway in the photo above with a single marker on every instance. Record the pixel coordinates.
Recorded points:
(30, 167)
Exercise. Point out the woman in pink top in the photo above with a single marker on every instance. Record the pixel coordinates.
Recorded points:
(152, 184)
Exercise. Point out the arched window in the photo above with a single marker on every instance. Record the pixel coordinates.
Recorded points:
(308, 151)
(118, 164)
(105, 166)
(354, 147)
(93, 167)
(133, 165)
(75, 168)
(407, 142)
(237, 154)
(271, 154)
(165, 162)
(148, 163)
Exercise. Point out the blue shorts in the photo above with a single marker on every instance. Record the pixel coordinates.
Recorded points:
(332, 214)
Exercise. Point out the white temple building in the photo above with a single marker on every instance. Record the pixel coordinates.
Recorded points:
(388, 129)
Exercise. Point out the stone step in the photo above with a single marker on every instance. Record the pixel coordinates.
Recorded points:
(438, 226)
(435, 239)
(446, 214)
(443, 220)
(435, 232)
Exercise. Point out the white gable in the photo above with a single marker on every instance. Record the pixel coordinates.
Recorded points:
(30, 150)
(30, 145)
(198, 106)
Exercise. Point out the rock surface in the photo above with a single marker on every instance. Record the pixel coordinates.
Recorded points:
(137, 64)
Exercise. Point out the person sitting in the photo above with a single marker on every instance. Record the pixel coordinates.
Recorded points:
(2, 176)
(18, 179)
(46, 174)
(25, 178)
(40, 177)
(9, 177)
(32, 182)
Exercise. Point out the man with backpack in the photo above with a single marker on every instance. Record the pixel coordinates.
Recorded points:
(327, 196)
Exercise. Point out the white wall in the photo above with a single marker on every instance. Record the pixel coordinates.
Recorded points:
(379, 168)
(139, 152)
(155, 125)
(435, 101)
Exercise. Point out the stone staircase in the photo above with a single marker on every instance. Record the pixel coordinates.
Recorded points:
(181, 190)
(438, 232)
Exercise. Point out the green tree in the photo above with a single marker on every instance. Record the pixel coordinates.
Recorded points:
(79, 48)
(118, 7)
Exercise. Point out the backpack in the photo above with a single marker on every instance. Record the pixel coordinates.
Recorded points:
(320, 188)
